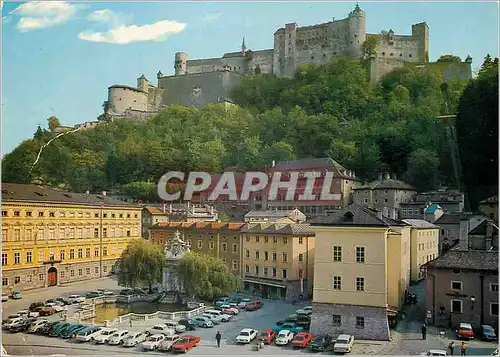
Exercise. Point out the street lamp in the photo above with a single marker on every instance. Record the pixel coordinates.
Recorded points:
(472, 300)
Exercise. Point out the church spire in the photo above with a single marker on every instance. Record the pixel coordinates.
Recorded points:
(243, 47)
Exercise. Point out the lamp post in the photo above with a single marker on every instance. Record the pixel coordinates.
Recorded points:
(472, 301)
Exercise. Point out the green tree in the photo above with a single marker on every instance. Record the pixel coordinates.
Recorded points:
(423, 169)
(141, 263)
(449, 58)
(140, 190)
(370, 46)
(53, 123)
(206, 277)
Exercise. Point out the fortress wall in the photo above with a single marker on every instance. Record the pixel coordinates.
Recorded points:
(204, 65)
(381, 66)
(236, 64)
(403, 47)
(263, 59)
(122, 99)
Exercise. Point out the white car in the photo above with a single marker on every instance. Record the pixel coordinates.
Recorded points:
(134, 339)
(495, 353)
(434, 353)
(168, 341)
(5, 297)
(343, 344)
(106, 292)
(161, 329)
(88, 334)
(203, 321)
(12, 322)
(305, 311)
(244, 303)
(284, 338)
(246, 335)
(175, 326)
(234, 310)
(73, 299)
(219, 315)
(104, 336)
(57, 307)
(118, 337)
(215, 319)
(152, 342)
(28, 313)
(37, 325)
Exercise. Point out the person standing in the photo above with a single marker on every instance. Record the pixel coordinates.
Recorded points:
(463, 349)
(217, 338)
(451, 347)
(424, 332)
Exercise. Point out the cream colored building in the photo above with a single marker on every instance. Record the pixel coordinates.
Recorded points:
(362, 269)
(266, 216)
(51, 237)
(424, 245)
(278, 260)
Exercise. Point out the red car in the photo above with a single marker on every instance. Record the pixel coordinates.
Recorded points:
(229, 312)
(267, 336)
(185, 343)
(254, 305)
(301, 339)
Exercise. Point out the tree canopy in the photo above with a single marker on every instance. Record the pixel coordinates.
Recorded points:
(141, 264)
(206, 277)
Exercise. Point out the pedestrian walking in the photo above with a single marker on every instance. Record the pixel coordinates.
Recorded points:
(451, 347)
(217, 338)
(424, 332)
(463, 349)
(130, 322)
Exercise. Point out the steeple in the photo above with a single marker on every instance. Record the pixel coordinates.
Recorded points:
(243, 47)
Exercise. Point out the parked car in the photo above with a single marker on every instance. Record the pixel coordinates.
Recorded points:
(126, 292)
(246, 335)
(58, 328)
(488, 333)
(320, 343)
(45, 330)
(5, 297)
(11, 322)
(88, 334)
(435, 353)
(284, 337)
(203, 321)
(35, 305)
(37, 325)
(302, 339)
(16, 295)
(93, 294)
(118, 337)
(75, 299)
(254, 305)
(305, 311)
(222, 301)
(229, 310)
(300, 320)
(46, 310)
(105, 292)
(190, 324)
(27, 313)
(134, 338)
(267, 336)
(168, 341)
(244, 302)
(71, 330)
(290, 326)
(22, 325)
(104, 336)
(185, 343)
(215, 319)
(152, 342)
(343, 344)
(56, 306)
(221, 316)
(175, 326)
(465, 331)
(160, 329)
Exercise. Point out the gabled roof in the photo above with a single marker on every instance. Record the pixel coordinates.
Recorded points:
(313, 163)
(492, 199)
(481, 228)
(419, 223)
(386, 184)
(19, 192)
(450, 218)
(357, 215)
(466, 260)
(432, 208)
(290, 229)
(153, 210)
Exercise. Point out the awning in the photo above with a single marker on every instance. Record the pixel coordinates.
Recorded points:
(264, 283)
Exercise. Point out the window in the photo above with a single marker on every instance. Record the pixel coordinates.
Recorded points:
(80, 253)
(336, 320)
(5, 259)
(80, 272)
(105, 215)
(301, 240)
(274, 272)
(456, 285)
(61, 274)
(29, 278)
(4, 213)
(212, 244)
(71, 254)
(41, 277)
(29, 257)
(87, 252)
(360, 254)
(285, 240)
(5, 281)
(337, 283)
(257, 239)
(247, 254)
(301, 273)
(104, 232)
(235, 264)
(72, 272)
(40, 214)
(17, 213)
(96, 252)
(17, 279)
(285, 257)
(494, 288)
(360, 322)
(104, 251)
(247, 269)
(200, 244)
(274, 257)
(41, 255)
(265, 271)
(301, 257)
(275, 239)
(28, 214)
(96, 270)
(456, 271)
(257, 255)
(360, 283)
(17, 258)
(337, 253)
(266, 239)
(4, 235)
(247, 238)
(256, 270)
(456, 306)
(62, 253)
(224, 247)
(235, 248)
(128, 232)
(283, 273)
(266, 256)
(52, 214)
(494, 308)
(96, 232)
(87, 271)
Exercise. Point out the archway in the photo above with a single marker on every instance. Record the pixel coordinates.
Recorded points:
(52, 277)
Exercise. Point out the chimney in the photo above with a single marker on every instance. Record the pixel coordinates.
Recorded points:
(379, 214)
(164, 207)
(380, 176)
(170, 208)
(387, 176)
(104, 193)
(273, 163)
(212, 210)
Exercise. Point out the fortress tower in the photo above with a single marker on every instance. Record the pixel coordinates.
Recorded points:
(420, 32)
(357, 32)
(180, 65)
(143, 83)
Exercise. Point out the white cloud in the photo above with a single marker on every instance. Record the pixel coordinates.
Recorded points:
(122, 35)
(212, 17)
(44, 14)
(109, 16)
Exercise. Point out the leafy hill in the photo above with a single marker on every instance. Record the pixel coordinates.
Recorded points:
(324, 110)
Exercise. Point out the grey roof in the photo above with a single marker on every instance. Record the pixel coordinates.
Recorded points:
(232, 54)
(312, 163)
(123, 86)
(419, 223)
(268, 213)
(492, 199)
(362, 216)
(451, 218)
(386, 184)
(291, 229)
(480, 229)
(18, 192)
(466, 259)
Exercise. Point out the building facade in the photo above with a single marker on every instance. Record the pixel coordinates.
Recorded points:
(265, 216)
(386, 194)
(51, 237)
(150, 217)
(489, 207)
(462, 286)
(454, 228)
(278, 260)
(362, 270)
(424, 245)
(219, 239)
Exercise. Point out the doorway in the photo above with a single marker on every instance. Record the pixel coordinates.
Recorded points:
(52, 277)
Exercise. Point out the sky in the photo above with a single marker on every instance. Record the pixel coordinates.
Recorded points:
(59, 58)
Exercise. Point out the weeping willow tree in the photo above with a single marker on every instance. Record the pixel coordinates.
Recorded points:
(141, 264)
(206, 277)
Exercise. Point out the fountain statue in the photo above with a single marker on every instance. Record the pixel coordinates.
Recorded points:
(174, 253)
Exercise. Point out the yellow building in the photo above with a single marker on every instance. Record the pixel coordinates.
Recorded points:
(424, 245)
(51, 237)
(278, 259)
(362, 269)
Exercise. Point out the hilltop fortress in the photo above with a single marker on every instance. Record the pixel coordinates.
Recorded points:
(199, 82)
